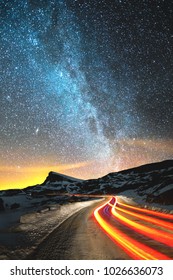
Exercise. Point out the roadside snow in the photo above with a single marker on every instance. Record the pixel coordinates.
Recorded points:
(34, 227)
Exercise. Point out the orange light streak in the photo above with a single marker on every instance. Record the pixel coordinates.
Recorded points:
(152, 220)
(147, 211)
(134, 248)
(155, 234)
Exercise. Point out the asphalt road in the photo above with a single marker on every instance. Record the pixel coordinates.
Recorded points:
(99, 232)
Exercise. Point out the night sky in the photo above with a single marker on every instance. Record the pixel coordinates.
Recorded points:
(86, 87)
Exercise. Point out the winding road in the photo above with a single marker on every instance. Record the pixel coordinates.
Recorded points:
(110, 230)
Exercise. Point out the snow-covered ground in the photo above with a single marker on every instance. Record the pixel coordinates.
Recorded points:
(28, 215)
(20, 240)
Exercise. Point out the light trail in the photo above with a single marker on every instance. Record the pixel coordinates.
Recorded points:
(134, 248)
(147, 211)
(155, 234)
(152, 220)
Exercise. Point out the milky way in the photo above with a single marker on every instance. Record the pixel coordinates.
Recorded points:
(86, 84)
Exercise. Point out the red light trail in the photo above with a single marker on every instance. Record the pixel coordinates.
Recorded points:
(133, 248)
(152, 220)
(147, 211)
(158, 235)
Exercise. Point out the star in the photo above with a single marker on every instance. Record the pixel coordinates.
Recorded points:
(86, 82)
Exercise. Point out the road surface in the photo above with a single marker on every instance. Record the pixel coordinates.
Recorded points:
(107, 231)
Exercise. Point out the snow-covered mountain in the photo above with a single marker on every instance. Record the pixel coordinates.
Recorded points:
(151, 183)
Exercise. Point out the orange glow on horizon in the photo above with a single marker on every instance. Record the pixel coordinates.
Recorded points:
(126, 153)
(12, 177)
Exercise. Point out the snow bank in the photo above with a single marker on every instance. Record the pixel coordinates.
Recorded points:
(34, 227)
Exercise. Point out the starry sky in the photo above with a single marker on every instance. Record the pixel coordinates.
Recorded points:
(86, 87)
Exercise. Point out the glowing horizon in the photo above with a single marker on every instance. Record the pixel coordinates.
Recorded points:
(72, 93)
(27, 173)
(22, 177)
